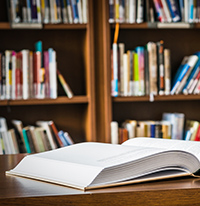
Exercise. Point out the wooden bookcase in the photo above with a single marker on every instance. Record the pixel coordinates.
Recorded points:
(74, 48)
(180, 41)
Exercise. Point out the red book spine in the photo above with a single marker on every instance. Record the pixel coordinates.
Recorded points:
(19, 80)
(55, 132)
(197, 137)
(46, 78)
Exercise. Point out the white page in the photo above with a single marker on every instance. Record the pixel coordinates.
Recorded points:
(78, 165)
(98, 154)
(190, 146)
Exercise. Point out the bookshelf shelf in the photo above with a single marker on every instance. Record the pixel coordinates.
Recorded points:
(157, 98)
(65, 26)
(4, 25)
(59, 100)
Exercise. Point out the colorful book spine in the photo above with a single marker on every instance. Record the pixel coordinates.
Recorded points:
(136, 75)
(161, 69)
(190, 63)
(140, 52)
(75, 11)
(115, 69)
(192, 76)
(174, 10)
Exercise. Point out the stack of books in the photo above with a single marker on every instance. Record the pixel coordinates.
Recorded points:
(143, 71)
(165, 11)
(171, 126)
(187, 78)
(32, 13)
(37, 138)
(27, 74)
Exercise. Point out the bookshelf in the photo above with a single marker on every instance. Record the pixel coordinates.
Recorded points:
(180, 40)
(74, 48)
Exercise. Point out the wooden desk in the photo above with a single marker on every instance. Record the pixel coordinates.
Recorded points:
(22, 191)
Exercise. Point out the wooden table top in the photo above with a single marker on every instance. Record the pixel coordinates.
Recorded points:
(23, 191)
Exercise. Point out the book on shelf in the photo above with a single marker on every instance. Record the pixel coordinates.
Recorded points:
(163, 11)
(98, 165)
(65, 85)
(186, 77)
(37, 138)
(29, 74)
(34, 13)
(142, 71)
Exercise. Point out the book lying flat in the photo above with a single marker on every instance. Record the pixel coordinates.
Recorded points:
(98, 165)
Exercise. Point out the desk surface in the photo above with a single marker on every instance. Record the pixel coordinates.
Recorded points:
(23, 191)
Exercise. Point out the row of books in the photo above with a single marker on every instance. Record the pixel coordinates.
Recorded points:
(166, 11)
(41, 137)
(143, 71)
(36, 12)
(187, 78)
(171, 126)
(27, 74)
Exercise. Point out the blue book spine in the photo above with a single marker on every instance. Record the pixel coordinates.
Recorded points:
(181, 5)
(193, 73)
(191, 63)
(26, 141)
(174, 10)
(152, 130)
(62, 138)
(184, 61)
(75, 11)
(34, 11)
(191, 11)
(111, 11)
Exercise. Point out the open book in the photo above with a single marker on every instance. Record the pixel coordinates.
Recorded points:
(95, 165)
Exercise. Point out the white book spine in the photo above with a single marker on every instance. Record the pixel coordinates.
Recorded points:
(25, 56)
(132, 11)
(166, 11)
(140, 11)
(80, 13)
(186, 7)
(114, 132)
(52, 74)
